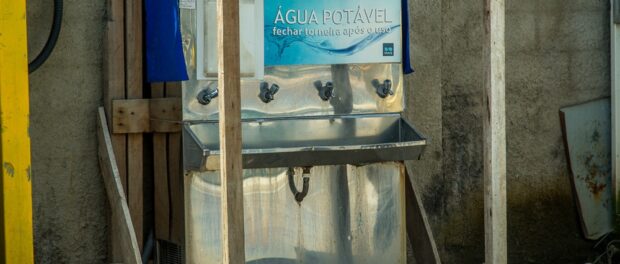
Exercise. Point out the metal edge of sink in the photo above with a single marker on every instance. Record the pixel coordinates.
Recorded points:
(396, 140)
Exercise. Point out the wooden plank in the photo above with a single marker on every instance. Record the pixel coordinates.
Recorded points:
(16, 241)
(175, 180)
(166, 114)
(230, 131)
(162, 115)
(122, 227)
(131, 116)
(114, 88)
(615, 107)
(160, 160)
(494, 132)
(418, 227)
(114, 76)
(135, 142)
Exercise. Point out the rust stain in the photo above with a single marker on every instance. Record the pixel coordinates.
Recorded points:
(596, 178)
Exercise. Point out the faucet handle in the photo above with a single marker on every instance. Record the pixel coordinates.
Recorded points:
(207, 95)
(383, 89)
(274, 88)
(267, 94)
(326, 91)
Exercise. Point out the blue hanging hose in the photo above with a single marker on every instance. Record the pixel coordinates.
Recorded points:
(51, 40)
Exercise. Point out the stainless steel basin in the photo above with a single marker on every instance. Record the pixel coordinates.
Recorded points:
(312, 141)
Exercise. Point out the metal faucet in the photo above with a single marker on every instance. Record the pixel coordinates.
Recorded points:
(326, 91)
(383, 89)
(267, 94)
(207, 95)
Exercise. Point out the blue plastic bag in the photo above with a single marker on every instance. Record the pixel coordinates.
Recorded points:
(164, 51)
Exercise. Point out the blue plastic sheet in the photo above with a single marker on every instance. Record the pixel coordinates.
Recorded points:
(164, 51)
(407, 67)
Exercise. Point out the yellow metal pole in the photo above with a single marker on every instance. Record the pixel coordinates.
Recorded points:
(16, 239)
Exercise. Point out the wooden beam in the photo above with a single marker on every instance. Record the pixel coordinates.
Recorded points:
(16, 236)
(121, 226)
(160, 171)
(494, 132)
(175, 177)
(114, 76)
(160, 115)
(131, 116)
(135, 142)
(418, 228)
(166, 114)
(114, 88)
(230, 131)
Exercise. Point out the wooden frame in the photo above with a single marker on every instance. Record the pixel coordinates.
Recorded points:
(123, 80)
(123, 67)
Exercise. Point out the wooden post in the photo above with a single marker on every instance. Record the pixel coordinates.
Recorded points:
(494, 132)
(16, 237)
(160, 173)
(114, 88)
(135, 142)
(175, 176)
(233, 247)
(114, 77)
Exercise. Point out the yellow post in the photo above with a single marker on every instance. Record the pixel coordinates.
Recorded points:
(16, 239)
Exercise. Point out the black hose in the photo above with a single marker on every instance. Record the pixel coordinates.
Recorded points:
(51, 40)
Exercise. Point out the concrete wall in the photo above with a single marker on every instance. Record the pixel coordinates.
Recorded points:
(558, 55)
(69, 198)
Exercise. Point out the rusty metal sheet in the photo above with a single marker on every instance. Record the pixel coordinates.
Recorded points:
(587, 136)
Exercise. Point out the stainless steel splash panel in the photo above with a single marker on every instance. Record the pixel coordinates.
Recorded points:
(353, 89)
(351, 215)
